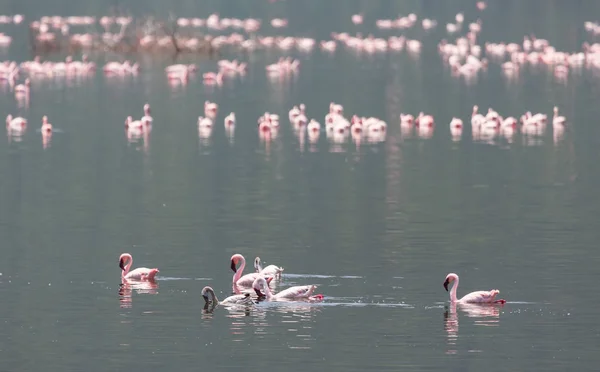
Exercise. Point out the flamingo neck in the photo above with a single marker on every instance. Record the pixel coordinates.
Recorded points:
(238, 273)
(268, 292)
(213, 296)
(127, 267)
(453, 291)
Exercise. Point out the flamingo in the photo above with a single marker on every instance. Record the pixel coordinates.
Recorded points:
(204, 122)
(424, 120)
(238, 279)
(456, 123)
(300, 292)
(241, 299)
(269, 270)
(230, 120)
(16, 124)
(141, 273)
(133, 124)
(473, 297)
(210, 109)
(146, 118)
(22, 90)
(46, 127)
(557, 120)
(476, 118)
(406, 119)
(313, 126)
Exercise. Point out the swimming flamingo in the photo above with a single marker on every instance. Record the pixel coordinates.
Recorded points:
(146, 118)
(141, 273)
(557, 120)
(229, 120)
(22, 90)
(16, 124)
(456, 123)
(210, 109)
(241, 299)
(269, 270)
(473, 297)
(300, 292)
(406, 119)
(238, 279)
(313, 126)
(424, 120)
(133, 124)
(46, 127)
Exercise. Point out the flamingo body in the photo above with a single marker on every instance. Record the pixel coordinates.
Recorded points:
(300, 292)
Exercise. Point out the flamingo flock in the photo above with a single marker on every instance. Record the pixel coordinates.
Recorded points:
(249, 289)
(487, 127)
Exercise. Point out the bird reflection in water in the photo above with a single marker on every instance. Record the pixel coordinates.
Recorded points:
(485, 314)
(127, 287)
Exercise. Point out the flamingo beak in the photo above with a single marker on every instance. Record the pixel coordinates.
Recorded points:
(122, 264)
(258, 293)
(206, 298)
(233, 266)
(446, 284)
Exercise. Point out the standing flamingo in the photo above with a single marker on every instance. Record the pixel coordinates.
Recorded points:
(242, 299)
(473, 297)
(238, 279)
(141, 273)
(269, 270)
(299, 292)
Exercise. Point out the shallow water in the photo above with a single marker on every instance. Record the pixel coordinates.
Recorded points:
(377, 227)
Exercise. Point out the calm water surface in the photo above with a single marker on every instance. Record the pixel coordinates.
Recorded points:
(377, 227)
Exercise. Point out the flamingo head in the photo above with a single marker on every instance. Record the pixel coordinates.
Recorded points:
(235, 259)
(124, 260)
(206, 291)
(449, 279)
(260, 286)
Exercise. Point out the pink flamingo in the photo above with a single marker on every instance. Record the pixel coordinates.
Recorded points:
(146, 118)
(313, 126)
(271, 270)
(22, 90)
(211, 78)
(229, 120)
(241, 299)
(300, 292)
(46, 127)
(556, 119)
(456, 123)
(210, 109)
(238, 279)
(16, 124)
(424, 120)
(473, 297)
(406, 119)
(133, 124)
(141, 273)
(357, 19)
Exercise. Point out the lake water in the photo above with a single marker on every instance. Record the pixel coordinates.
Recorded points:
(377, 226)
